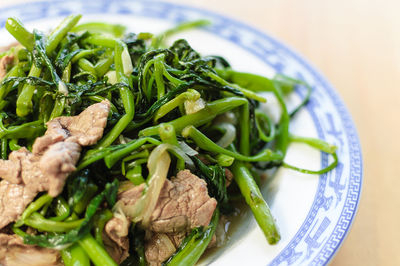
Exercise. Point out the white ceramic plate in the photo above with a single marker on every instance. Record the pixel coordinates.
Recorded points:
(314, 213)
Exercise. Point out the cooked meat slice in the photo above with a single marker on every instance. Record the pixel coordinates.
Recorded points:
(13, 200)
(14, 252)
(129, 197)
(117, 229)
(47, 172)
(162, 246)
(89, 125)
(177, 238)
(31, 174)
(57, 163)
(168, 216)
(15, 197)
(4, 62)
(115, 236)
(54, 133)
(117, 253)
(158, 249)
(10, 170)
(53, 159)
(86, 128)
(183, 204)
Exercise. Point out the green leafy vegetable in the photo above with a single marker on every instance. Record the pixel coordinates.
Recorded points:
(214, 175)
(171, 108)
(57, 240)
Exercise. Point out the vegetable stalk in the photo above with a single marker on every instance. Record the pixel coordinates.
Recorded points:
(75, 256)
(201, 117)
(255, 200)
(126, 95)
(24, 101)
(97, 254)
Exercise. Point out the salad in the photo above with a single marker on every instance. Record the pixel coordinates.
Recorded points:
(117, 148)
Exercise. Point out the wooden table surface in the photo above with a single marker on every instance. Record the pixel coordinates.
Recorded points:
(356, 45)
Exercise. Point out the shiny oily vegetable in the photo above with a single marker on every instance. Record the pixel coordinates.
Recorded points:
(167, 99)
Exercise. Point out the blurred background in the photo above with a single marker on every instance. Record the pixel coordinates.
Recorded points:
(356, 45)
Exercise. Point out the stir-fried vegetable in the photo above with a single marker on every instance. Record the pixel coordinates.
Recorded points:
(170, 109)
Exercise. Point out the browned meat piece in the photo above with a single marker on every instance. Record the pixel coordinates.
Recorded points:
(10, 170)
(54, 133)
(38, 173)
(115, 236)
(117, 229)
(129, 197)
(4, 62)
(85, 129)
(177, 238)
(30, 171)
(13, 200)
(57, 163)
(53, 159)
(13, 252)
(158, 249)
(183, 204)
(15, 197)
(47, 172)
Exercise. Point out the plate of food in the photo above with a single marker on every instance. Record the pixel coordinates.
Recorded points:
(145, 132)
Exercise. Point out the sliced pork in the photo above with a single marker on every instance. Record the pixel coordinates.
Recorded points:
(10, 169)
(13, 252)
(85, 129)
(53, 158)
(57, 163)
(129, 197)
(13, 200)
(115, 236)
(159, 248)
(183, 204)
